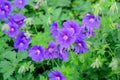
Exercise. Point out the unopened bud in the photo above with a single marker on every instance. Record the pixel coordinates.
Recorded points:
(114, 64)
(97, 9)
(27, 34)
(96, 64)
(102, 1)
(28, 21)
(22, 69)
(5, 27)
(32, 68)
(114, 9)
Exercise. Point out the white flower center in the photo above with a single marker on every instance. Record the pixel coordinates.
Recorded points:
(65, 37)
(6, 6)
(20, 1)
(72, 29)
(92, 20)
(50, 50)
(20, 22)
(21, 44)
(79, 44)
(37, 51)
(57, 78)
(3, 12)
(61, 52)
(12, 29)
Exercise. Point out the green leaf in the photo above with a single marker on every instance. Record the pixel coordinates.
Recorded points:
(22, 55)
(6, 68)
(59, 3)
(10, 62)
(56, 14)
(10, 56)
(42, 77)
(41, 39)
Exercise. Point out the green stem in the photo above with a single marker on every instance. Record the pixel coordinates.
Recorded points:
(36, 30)
(56, 63)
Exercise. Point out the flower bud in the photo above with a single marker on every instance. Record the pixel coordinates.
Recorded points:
(32, 68)
(114, 64)
(96, 64)
(114, 9)
(22, 69)
(97, 9)
(28, 21)
(27, 34)
(102, 1)
(5, 27)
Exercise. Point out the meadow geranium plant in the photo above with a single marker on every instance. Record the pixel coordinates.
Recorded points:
(59, 40)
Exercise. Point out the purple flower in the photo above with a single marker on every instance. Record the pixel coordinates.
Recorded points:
(51, 51)
(12, 30)
(90, 33)
(22, 42)
(63, 54)
(80, 46)
(7, 6)
(3, 14)
(54, 29)
(20, 3)
(18, 19)
(91, 21)
(23, 36)
(86, 32)
(118, 25)
(21, 45)
(5, 9)
(36, 53)
(65, 38)
(82, 32)
(56, 75)
(73, 26)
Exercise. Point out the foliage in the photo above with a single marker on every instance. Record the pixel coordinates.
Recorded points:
(101, 62)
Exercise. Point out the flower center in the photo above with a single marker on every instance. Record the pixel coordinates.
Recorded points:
(37, 51)
(61, 51)
(20, 22)
(23, 37)
(65, 37)
(6, 6)
(72, 29)
(21, 44)
(92, 20)
(12, 29)
(20, 1)
(3, 12)
(57, 78)
(79, 44)
(50, 50)
(36, 7)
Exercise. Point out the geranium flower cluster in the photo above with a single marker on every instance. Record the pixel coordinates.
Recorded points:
(71, 34)
(90, 22)
(6, 8)
(14, 23)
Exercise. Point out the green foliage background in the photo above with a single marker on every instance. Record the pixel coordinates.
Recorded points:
(101, 62)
